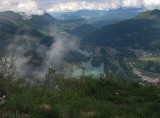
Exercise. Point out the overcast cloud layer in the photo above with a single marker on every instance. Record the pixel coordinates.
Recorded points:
(39, 6)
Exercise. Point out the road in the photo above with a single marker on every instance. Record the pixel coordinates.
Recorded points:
(145, 75)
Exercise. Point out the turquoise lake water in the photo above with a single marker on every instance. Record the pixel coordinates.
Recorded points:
(88, 69)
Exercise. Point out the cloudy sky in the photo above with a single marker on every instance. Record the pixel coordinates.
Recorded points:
(39, 6)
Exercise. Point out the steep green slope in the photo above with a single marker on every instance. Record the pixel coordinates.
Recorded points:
(13, 24)
(42, 22)
(83, 30)
(139, 32)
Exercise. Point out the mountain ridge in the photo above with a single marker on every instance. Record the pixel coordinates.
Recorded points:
(128, 32)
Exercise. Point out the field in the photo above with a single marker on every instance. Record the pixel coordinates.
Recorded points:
(153, 59)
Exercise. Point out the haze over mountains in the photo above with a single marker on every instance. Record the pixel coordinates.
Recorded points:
(100, 18)
(130, 33)
(41, 40)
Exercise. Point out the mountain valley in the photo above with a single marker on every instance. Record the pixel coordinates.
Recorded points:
(114, 46)
(79, 59)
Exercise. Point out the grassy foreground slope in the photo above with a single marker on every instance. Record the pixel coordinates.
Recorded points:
(85, 97)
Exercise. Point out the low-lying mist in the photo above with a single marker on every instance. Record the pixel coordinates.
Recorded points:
(34, 58)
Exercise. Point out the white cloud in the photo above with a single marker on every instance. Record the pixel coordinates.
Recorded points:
(74, 5)
(147, 4)
(78, 5)
(151, 4)
(38, 6)
(29, 7)
(132, 3)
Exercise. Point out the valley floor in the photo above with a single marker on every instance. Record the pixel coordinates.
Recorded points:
(146, 76)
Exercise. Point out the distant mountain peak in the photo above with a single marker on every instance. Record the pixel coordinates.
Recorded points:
(10, 15)
(155, 12)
